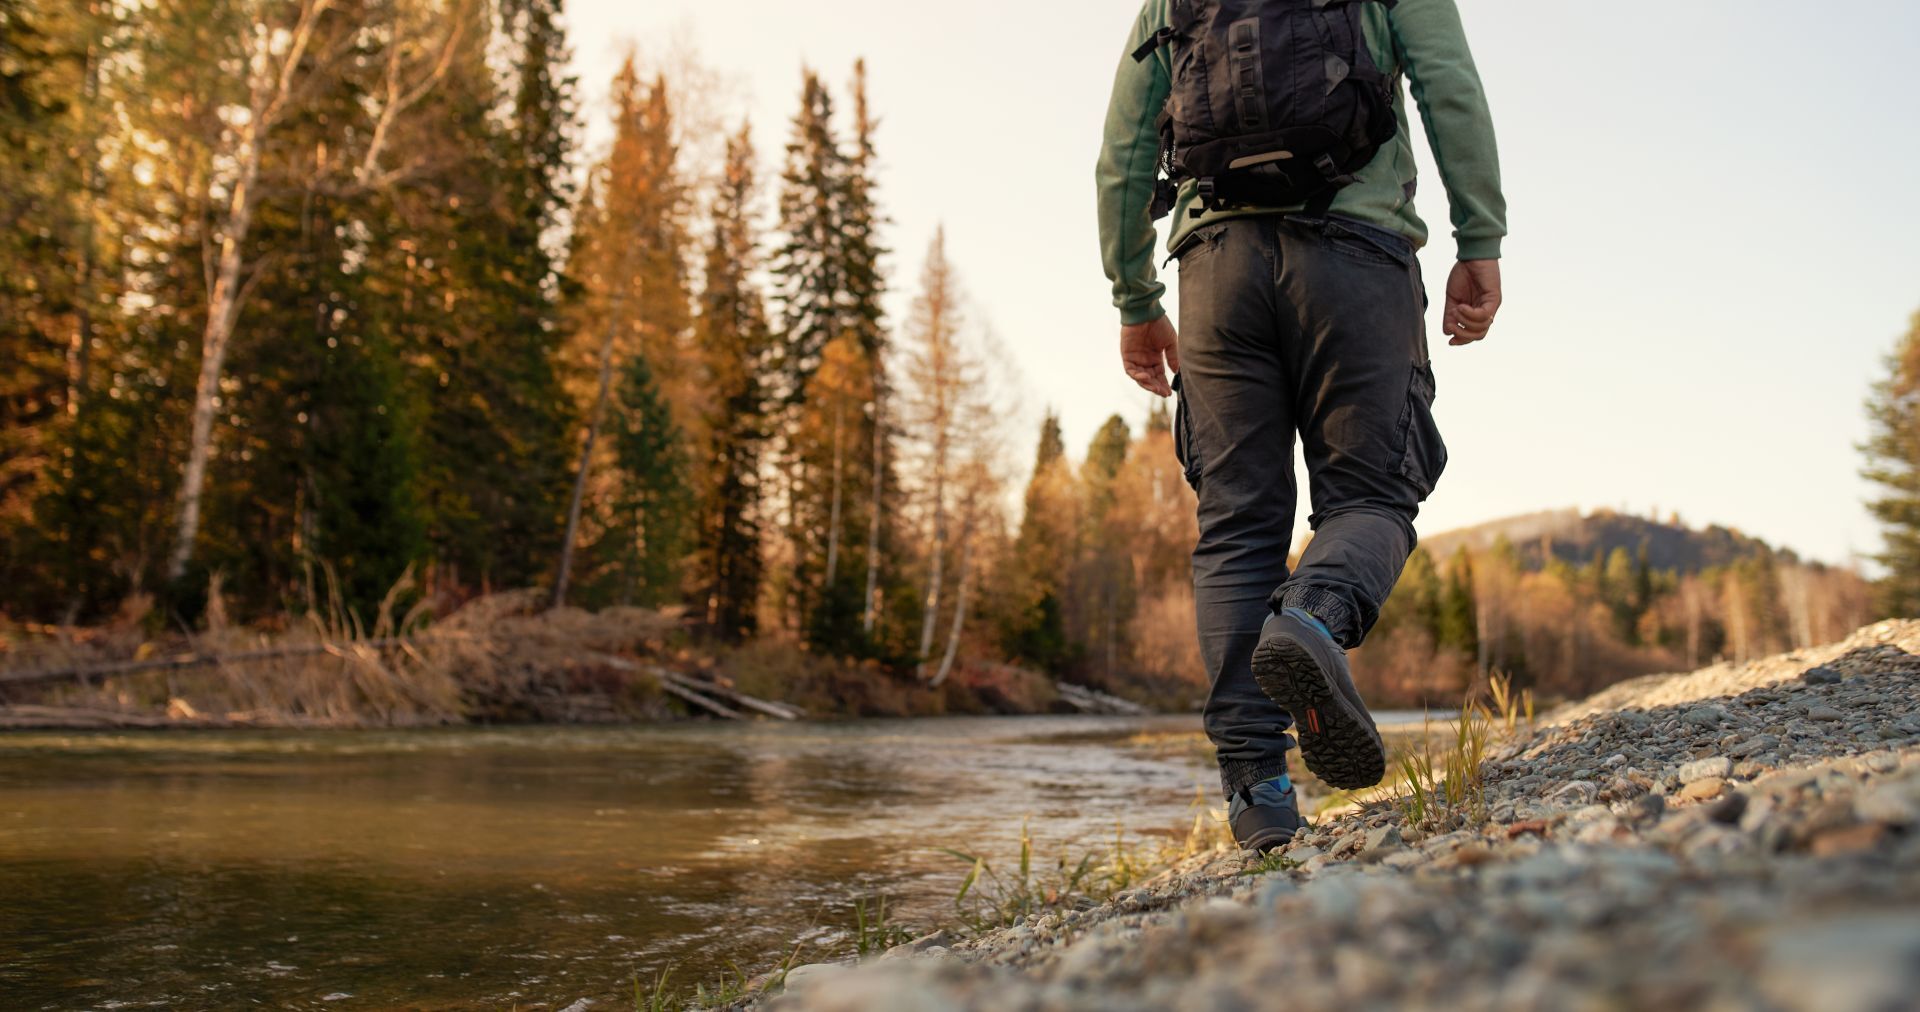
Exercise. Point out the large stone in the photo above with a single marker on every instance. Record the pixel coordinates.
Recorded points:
(1895, 804)
(1701, 769)
(1853, 839)
(1704, 788)
(1381, 842)
(809, 975)
(1706, 716)
(1822, 675)
(1856, 961)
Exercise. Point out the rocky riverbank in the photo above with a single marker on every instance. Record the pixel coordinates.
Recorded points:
(1739, 837)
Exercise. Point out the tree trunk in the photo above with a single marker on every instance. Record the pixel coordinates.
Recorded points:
(223, 303)
(936, 573)
(586, 456)
(223, 309)
(833, 514)
(872, 606)
(959, 613)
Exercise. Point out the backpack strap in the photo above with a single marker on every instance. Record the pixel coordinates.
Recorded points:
(1154, 41)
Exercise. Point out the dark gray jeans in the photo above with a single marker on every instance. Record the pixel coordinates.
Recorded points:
(1309, 325)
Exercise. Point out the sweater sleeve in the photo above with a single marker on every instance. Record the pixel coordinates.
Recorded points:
(1432, 48)
(1129, 153)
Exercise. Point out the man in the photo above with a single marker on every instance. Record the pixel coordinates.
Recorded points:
(1307, 318)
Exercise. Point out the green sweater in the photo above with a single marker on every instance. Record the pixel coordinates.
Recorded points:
(1422, 39)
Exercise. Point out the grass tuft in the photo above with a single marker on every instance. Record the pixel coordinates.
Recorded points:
(991, 897)
(874, 929)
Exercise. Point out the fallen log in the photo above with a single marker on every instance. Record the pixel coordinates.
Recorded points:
(1090, 700)
(673, 687)
(781, 711)
(31, 715)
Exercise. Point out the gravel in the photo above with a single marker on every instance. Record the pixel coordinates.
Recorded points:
(1741, 836)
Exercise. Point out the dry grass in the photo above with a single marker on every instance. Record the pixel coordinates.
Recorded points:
(499, 657)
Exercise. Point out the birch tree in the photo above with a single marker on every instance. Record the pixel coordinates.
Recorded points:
(278, 63)
(951, 424)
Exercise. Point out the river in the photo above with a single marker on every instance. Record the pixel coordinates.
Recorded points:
(528, 867)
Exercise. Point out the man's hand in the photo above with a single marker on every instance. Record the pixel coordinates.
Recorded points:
(1473, 296)
(1143, 346)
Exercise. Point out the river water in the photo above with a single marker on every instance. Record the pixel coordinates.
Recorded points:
(470, 867)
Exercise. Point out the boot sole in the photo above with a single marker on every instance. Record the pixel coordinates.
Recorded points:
(1338, 744)
(1268, 839)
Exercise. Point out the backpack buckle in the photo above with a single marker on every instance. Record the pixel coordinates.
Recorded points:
(1208, 199)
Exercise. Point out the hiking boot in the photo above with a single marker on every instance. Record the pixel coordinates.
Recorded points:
(1299, 666)
(1265, 815)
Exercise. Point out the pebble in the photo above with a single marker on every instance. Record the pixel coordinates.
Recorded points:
(1824, 713)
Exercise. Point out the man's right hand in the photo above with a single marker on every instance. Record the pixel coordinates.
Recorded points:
(1473, 296)
(1144, 347)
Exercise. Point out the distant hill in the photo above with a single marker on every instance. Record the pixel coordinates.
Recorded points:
(1568, 535)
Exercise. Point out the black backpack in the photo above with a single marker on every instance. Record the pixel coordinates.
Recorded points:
(1274, 102)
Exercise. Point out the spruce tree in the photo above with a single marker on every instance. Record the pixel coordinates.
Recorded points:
(1458, 620)
(1034, 629)
(809, 289)
(632, 302)
(62, 268)
(652, 506)
(735, 344)
(1892, 453)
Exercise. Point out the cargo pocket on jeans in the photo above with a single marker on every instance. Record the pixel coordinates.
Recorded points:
(1183, 436)
(1426, 454)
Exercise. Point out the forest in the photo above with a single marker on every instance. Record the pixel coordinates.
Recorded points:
(325, 305)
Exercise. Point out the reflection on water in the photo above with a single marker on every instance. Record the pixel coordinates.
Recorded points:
(461, 867)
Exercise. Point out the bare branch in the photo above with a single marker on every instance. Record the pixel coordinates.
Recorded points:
(399, 99)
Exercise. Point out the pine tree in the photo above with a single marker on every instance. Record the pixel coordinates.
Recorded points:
(735, 342)
(866, 285)
(1892, 453)
(1034, 629)
(629, 259)
(652, 505)
(810, 282)
(469, 273)
(1053, 445)
(1416, 597)
(1458, 627)
(62, 266)
(810, 291)
(1106, 609)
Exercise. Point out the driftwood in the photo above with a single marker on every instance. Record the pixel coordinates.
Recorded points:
(1088, 700)
(688, 688)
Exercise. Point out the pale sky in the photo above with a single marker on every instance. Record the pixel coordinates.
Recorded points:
(1712, 207)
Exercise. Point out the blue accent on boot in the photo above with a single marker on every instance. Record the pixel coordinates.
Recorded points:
(1310, 618)
(1265, 815)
